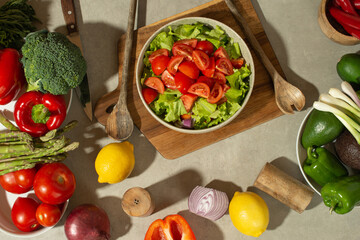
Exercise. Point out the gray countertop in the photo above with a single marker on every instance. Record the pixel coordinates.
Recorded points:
(308, 59)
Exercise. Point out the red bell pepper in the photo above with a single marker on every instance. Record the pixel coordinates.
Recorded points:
(173, 227)
(37, 113)
(11, 75)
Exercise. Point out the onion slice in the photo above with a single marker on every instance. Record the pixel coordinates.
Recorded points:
(207, 202)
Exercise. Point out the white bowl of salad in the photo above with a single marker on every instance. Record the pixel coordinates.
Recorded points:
(195, 75)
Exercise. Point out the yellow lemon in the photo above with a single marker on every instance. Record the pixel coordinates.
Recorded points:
(249, 213)
(115, 162)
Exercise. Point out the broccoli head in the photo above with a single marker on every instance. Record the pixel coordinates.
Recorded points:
(52, 63)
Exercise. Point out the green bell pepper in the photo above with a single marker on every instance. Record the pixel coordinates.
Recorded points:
(320, 128)
(342, 195)
(322, 166)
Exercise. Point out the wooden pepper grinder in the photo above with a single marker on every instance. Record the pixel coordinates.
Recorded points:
(137, 202)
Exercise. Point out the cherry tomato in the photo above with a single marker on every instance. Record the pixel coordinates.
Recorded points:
(188, 100)
(190, 42)
(183, 82)
(221, 53)
(174, 63)
(216, 93)
(155, 83)
(205, 46)
(224, 65)
(189, 69)
(201, 59)
(210, 70)
(54, 183)
(159, 64)
(200, 89)
(209, 81)
(48, 215)
(159, 52)
(168, 79)
(149, 95)
(237, 63)
(219, 77)
(183, 50)
(20, 181)
(23, 214)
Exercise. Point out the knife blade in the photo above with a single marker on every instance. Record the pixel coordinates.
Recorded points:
(82, 91)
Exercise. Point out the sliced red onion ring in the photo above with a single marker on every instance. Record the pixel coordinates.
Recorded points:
(207, 202)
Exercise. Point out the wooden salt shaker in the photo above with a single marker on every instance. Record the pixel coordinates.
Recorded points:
(284, 188)
(137, 202)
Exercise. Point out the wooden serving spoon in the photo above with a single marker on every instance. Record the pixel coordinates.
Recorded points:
(120, 125)
(286, 95)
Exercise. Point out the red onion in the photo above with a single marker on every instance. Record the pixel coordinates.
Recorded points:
(89, 222)
(187, 123)
(208, 203)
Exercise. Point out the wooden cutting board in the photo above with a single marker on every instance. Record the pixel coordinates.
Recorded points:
(260, 108)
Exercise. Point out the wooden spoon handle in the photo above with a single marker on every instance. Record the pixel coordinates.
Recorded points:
(127, 52)
(252, 39)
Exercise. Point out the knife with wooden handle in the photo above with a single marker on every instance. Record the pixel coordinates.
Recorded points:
(82, 91)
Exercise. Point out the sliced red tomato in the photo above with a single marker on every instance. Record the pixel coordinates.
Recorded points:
(174, 63)
(183, 82)
(155, 83)
(159, 64)
(183, 50)
(149, 94)
(159, 52)
(238, 63)
(168, 79)
(188, 100)
(225, 87)
(219, 77)
(206, 47)
(210, 70)
(224, 65)
(190, 42)
(208, 81)
(201, 59)
(200, 89)
(216, 93)
(221, 53)
(186, 116)
(189, 69)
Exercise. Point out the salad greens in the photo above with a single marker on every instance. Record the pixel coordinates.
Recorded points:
(169, 105)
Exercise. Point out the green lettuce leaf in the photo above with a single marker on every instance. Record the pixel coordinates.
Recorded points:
(169, 105)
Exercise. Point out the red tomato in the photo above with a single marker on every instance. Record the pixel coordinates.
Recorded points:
(183, 82)
(205, 46)
(219, 77)
(210, 70)
(216, 93)
(189, 69)
(182, 50)
(188, 100)
(224, 65)
(48, 215)
(209, 81)
(190, 42)
(221, 53)
(238, 63)
(168, 79)
(201, 59)
(155, 83)
(23, 214)
(54, 183)
(174, 63)
(20, 181)
(200, 89)
(159, 52)
(225, 87)
(159, 64)
(186, 116)
(149, 95)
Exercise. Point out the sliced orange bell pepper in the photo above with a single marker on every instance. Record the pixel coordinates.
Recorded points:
(173, 227)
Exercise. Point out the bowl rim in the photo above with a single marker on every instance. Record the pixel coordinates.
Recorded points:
(205, 20)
